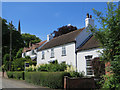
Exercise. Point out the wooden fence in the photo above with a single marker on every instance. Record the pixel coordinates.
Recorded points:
(72, 83)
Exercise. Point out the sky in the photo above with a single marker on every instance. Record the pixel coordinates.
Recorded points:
(42, 18)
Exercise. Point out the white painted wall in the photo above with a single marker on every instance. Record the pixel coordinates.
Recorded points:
(82, 37)
(29, 53)
(89, 21)
(81, 61)
(69, 58)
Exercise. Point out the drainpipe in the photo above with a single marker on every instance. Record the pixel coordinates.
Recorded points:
(76, 56)
(76, 60)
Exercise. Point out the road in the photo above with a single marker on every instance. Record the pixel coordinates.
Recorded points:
(12, 83)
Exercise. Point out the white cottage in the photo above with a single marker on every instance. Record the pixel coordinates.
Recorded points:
(32, 50)
(76, 48)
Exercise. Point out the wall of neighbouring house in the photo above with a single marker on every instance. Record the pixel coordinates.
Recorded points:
(82, 37)
(29, 53)
(69, 58)
(81, 61)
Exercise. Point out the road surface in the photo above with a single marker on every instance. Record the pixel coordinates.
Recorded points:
(12, 83)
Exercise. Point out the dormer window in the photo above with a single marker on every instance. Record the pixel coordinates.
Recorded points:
(63, 51)
(43, 55)
(52, 53)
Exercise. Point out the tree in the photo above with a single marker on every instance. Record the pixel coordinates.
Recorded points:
(17, 41)
(19, 64)
(28, 38)
(64, 29)
(109, 37)
(6, 61)
(19, 53)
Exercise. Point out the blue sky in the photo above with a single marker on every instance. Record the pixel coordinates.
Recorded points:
(42, 18)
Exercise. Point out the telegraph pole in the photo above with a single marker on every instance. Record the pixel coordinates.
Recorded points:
(10, 46)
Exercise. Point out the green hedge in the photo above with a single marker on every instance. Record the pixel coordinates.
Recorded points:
(47, 79)
(16, 74)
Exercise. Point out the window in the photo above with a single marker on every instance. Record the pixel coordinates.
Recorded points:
(24, 54)
(33, 52)
(63, 51)
(52, 53)
(43, 55)
(89, 69)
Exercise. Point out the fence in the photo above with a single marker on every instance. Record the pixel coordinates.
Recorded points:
(78, 83)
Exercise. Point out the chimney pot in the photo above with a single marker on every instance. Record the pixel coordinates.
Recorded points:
(90, 16)
(87, 15)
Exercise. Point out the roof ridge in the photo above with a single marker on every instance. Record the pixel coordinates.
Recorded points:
(69, 32)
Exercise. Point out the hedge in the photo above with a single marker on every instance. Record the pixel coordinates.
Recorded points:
(16, 74)
(48, 79)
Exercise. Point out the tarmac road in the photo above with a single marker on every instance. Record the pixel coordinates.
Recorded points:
(12, 84)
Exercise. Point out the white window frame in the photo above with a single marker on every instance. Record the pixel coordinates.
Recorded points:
(52, 53)
(63, 51)
(43, 55)
(33, 52)
(24, 54)
(88, 59)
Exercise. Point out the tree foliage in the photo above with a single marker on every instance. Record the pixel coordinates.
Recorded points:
(28, 38)
(109, 36)
(64, 29)
(6, 59)
(19, 64)
(19, 53)
(17, 41)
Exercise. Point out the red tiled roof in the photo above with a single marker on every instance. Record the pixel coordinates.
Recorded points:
(34, 46)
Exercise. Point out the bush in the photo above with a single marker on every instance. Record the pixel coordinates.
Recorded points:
(51, 67)
(19, 64)
(19, 53)
(6, 60)
(110, 81)
(16, 75)
(47, 79)
(10, 74)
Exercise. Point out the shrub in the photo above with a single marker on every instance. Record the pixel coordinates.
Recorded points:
(16, 75)
(110, 81)
(6, 60)
(10, 74)
(19, 53)
(47, 79)
(70, 69)
(51, 67)
(19, 64)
